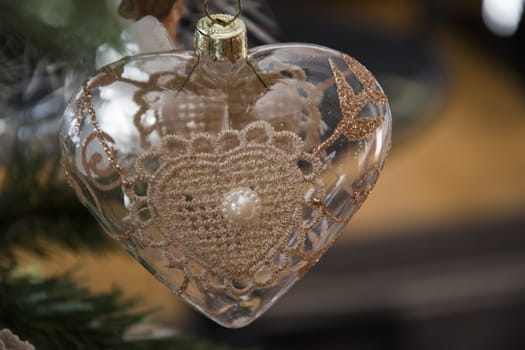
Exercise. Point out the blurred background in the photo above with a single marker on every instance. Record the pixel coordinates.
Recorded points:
(435, 259)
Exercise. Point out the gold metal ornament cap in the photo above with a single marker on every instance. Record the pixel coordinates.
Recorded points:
(221, 37)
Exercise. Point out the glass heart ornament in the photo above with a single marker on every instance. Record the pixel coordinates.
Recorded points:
(227, 172)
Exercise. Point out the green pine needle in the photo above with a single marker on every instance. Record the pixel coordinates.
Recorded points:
(56, 314)
(64, 29)
(37, 210)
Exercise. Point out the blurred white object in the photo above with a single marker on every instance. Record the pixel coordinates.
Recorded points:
(149, 34)
(502, 17)
(144, 36)
(9, 341)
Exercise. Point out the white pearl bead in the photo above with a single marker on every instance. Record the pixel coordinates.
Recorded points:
(241, 206)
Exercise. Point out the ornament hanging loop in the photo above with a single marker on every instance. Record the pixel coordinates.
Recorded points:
(220, 36)
(219, 21)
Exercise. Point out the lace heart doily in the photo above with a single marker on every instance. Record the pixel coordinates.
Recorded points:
(181, 201)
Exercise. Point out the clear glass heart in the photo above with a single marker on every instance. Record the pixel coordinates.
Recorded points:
(227, 180)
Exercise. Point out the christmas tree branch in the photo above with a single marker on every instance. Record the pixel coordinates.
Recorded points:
(56, 314)
(62, 29)
(36, 209)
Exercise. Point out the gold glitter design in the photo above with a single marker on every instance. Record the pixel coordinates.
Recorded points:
(360, 190)
(92, 162)
(75, 186)
(181, 195)
(320, 204)
(91, 165)
(352, 103)
(126, 235)
(363, 186)
(77, 182)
